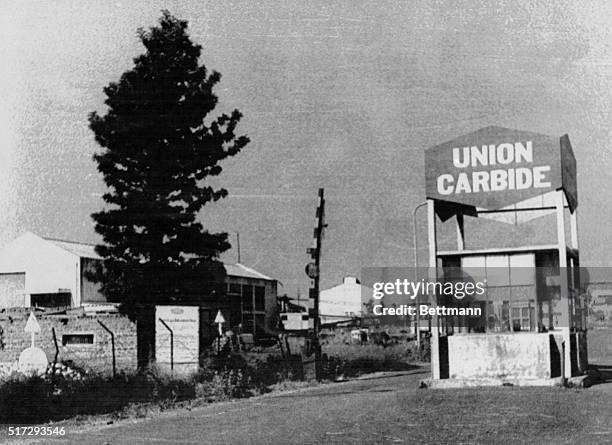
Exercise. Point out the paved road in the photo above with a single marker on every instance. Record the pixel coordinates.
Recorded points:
(333, 413)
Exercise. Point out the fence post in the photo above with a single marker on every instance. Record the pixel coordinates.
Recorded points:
(171, 344)
(56, 351)
(112, 344)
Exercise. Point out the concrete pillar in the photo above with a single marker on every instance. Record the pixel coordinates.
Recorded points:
(433, 262)
(564, 320)
(574, 228)
(460, 232)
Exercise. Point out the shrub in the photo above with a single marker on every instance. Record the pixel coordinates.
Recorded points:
(34, 399)
(69, 391)
(343, 358)
(223, 385)
(257, 371)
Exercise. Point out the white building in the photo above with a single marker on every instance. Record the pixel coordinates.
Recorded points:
(343, 302)
(45, 272)
(37, 271)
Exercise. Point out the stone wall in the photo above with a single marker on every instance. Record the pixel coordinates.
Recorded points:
(69, 328)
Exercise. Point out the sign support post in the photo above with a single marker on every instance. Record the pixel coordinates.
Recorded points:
(564, 283)
(433, 264)
(416, 269)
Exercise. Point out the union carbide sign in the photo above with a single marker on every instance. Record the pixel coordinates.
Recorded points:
(495, 167)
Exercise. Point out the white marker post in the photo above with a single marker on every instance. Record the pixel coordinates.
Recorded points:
(32, 359)
(219, 319)
(32, 327)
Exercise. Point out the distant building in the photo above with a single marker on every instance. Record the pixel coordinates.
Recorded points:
(251, 299)
(45, 272)
(344, 301)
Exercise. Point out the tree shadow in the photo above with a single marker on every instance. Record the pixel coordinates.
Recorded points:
(599, 374)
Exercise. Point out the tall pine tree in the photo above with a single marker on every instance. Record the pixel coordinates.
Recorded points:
(159, 148)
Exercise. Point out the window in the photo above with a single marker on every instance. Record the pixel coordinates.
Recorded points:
(498, 273)
(247, 325)
(60, 299)
(247, 297)
(474, 267)
(260, 298)
(77, 339)
(509, 301)
(522, 317)
(522, 270)
(260, 323)
(234, 291)
(233, 288)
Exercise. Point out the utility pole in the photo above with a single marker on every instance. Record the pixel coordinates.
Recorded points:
(313, 271)
(298, 296)
(238, 245)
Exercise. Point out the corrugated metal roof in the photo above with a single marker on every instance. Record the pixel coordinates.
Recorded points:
(240, 270)
(82, 250)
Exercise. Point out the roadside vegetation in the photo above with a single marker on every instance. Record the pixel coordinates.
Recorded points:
(346, 358)
(71, 392)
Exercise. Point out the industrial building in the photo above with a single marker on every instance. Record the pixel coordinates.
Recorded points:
(49, 273)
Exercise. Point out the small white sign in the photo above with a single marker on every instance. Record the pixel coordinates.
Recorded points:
(295, 321)
(219, 318)
(32, 325)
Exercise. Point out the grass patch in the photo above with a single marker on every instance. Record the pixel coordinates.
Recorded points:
(346, 359)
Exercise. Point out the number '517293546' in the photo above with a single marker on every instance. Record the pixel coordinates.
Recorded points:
(36, 431)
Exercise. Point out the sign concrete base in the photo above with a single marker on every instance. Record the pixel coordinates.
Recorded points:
(33, 360)
(469, 383)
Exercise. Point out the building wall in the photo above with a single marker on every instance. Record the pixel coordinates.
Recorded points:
(96, 356)
(12, 290)
(344, 301)
(47, 267)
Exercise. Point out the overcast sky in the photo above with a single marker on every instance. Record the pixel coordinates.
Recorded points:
(342, 95)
